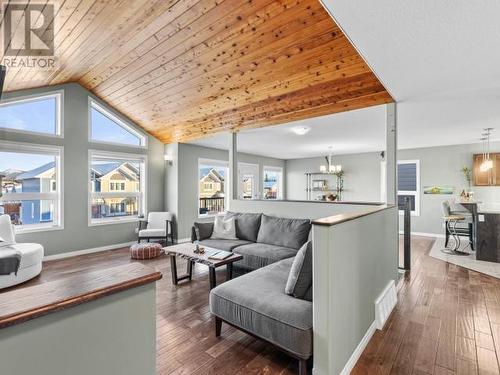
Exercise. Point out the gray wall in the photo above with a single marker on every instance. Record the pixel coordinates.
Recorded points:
(361, 178)
(348, 276)
(438, 166)
(290, 209)
(441, 166)
(112, 335)
(77, 235)
(182, 180)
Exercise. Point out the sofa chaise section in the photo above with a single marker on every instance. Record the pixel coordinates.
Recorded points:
(256, 303)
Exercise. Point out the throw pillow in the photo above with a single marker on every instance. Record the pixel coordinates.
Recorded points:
(300, 276)
(224, 229)
(203, 230)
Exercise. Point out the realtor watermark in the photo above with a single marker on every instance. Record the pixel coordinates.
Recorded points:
(28, 35)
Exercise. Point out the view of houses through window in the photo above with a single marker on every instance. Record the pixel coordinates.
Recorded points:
(30, 188)
(212, 195)
(273, 183)
(116, 186)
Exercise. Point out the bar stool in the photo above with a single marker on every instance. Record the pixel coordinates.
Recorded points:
(451, 221)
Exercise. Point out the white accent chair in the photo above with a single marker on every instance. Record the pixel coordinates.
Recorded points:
(31, 255)
(159, 226)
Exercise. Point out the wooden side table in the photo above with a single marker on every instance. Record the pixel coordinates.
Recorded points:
(185, 250)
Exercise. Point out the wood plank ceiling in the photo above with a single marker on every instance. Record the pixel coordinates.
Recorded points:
(186, 68)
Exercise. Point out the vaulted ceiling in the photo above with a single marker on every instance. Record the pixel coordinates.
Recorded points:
(186, 68)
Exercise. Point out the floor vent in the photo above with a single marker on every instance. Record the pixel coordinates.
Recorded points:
(384, 304)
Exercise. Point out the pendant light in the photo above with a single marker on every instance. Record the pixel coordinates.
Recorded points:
(487, 163)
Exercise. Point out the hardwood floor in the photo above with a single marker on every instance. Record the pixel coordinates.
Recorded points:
(447, 321)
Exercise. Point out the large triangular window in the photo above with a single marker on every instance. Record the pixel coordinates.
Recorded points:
(106, 127)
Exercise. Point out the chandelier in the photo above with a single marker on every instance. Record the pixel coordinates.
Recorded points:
(330, 168)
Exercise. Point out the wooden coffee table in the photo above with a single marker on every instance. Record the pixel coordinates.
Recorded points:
(185, 250)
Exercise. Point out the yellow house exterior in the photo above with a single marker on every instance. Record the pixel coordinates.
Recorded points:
(122, 179)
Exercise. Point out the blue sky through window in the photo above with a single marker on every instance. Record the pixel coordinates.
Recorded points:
(106, 130)
(23, 161)
(35, 116)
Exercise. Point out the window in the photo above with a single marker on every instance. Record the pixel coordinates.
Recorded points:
(31, 186)
(34, 114)
(111, 201)
(409, 184)
(273, 183)
(212, 187)
(106, 127)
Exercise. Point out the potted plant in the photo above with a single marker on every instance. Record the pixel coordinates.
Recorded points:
(467, 172)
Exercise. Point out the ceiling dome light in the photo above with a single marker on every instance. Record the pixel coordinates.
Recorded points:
(301, 130)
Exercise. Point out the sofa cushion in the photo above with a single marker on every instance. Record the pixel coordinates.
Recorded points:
(152, 233)
(224, 229)
(247, 225)
(203, 230)
(256, 303)
(300, 277)
(292, 233)
(226, 245)
(258, 255)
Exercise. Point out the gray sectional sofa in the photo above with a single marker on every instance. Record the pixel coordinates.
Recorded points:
(262, 239)
(256, 302)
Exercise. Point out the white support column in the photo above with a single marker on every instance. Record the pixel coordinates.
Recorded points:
(233, 167)
(391, 150)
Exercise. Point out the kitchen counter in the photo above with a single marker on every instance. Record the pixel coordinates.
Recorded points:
(486, 227)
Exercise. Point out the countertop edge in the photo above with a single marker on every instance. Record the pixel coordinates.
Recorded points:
(77, 299)
(342, 218)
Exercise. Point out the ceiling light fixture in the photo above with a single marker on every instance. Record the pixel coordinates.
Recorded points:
(330, 168)
(301, 130)
(487, 163)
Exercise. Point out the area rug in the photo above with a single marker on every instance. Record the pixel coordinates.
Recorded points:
(466, 261)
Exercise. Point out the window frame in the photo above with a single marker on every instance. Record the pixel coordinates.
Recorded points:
(94, 104)
(217, 163)
(57, 197)
(416, 193)
(142, 195)
(273, 169)
(59, 126)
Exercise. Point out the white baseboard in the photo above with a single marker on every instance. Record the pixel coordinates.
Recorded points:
(423, 234)
(384, 304)
(97, 250)
(86, 251)
(359, 350)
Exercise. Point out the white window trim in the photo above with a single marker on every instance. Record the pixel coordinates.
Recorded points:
(416, 194)
(57, 94)
(57, 197)
(93, 104)
(273, 169)
(216, 163)
(144, 178)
